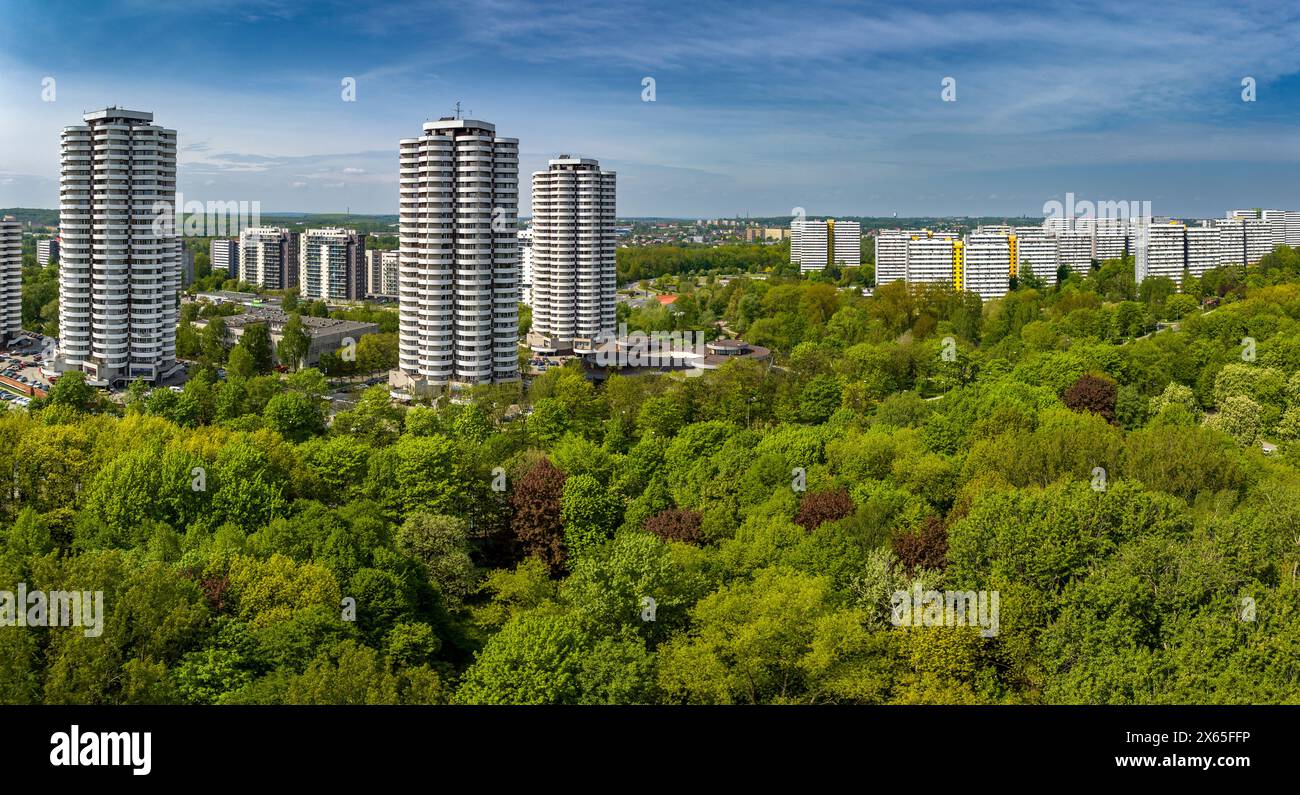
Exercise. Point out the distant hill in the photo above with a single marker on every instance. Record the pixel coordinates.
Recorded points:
(30, 215)
(361, 223)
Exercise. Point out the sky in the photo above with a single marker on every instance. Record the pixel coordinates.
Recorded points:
(758, 107)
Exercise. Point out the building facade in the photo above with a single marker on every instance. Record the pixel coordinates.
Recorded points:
(1039, 253)
(1159, 250)
(846, 243)
(891, 254)
(1203, 245)
(935, 258)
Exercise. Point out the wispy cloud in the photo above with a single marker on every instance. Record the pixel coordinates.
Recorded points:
(760, 106)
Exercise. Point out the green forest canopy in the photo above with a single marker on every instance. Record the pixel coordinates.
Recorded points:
(942, 441)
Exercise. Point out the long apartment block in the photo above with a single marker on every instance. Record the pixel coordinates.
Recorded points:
(814, 244)
(985, 261)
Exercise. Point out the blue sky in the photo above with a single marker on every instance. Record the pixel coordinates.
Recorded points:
(760, 107)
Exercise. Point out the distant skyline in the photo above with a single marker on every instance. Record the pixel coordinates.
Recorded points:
(759, 107)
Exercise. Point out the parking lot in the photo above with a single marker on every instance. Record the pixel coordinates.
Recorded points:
(538, 363)
(25, 370)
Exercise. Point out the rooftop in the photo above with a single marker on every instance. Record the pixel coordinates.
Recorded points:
(277, 317)
(118, 113)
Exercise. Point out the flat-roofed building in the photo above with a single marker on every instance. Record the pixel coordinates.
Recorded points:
(1259, 239)
(846, 243)
(1159, 250)
(326, 334)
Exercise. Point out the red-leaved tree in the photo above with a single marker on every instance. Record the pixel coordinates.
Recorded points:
(1093, 393)
(819, 507)
(925, 548)
(676, 524)
(535, 513)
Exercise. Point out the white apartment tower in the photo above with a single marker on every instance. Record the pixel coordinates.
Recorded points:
(267, 257)
(1293, 228)
(1259, 239)
(1112, 240)
(1074, 247)
(573, 242)
(1257, 231)
(1232, 241)
(331, 265)
(224, 254)
(1275, 220)
(118, 275)
(458, 265)
(46, 251)
(11, 279)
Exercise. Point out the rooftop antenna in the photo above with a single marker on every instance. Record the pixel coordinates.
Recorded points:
(458, 109)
